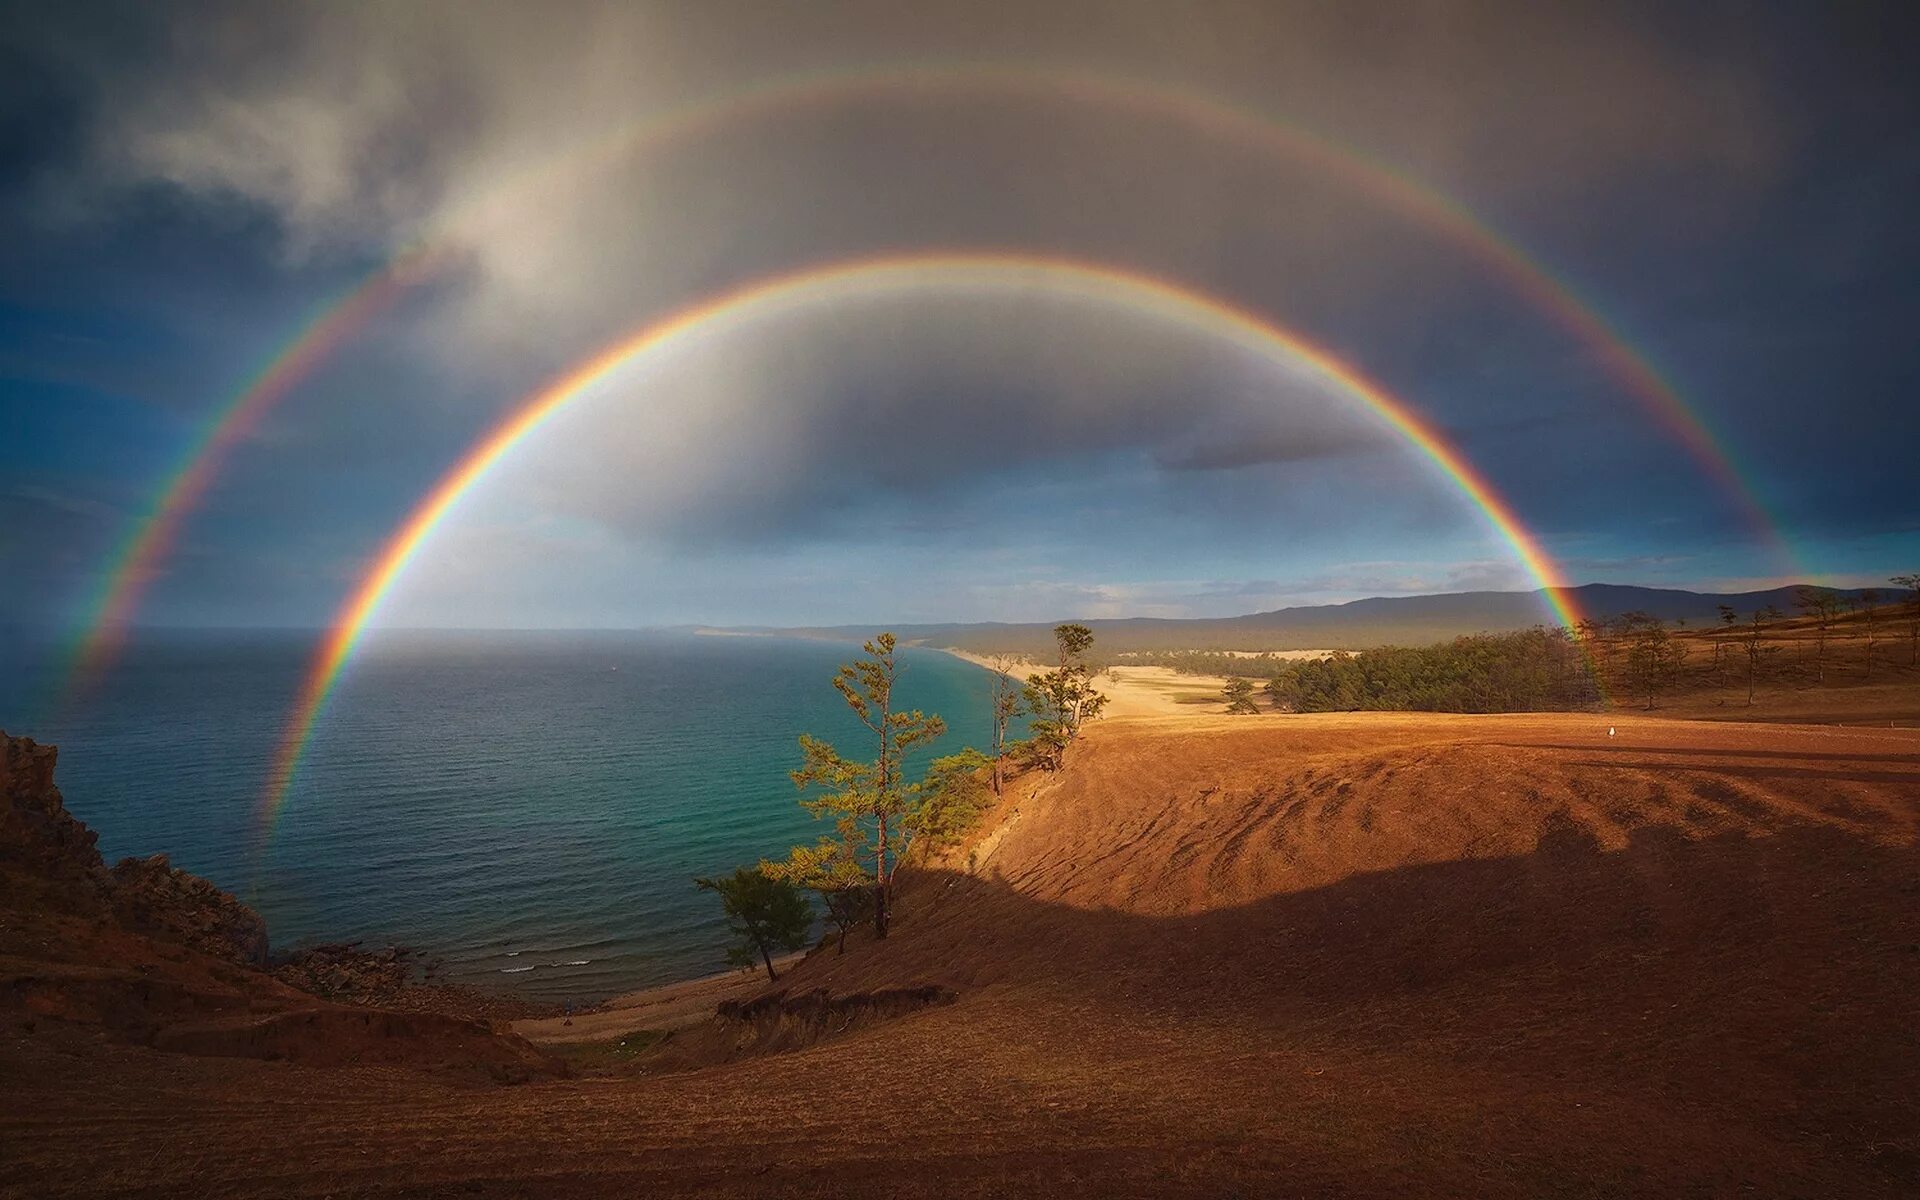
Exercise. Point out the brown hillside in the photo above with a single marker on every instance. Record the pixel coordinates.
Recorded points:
(144, 955)
(1326, 956)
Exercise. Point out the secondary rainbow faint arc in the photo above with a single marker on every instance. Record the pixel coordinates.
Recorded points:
(134, 563)
(135, 559)
(822, 284)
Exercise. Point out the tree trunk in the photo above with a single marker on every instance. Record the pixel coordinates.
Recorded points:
(880, 882)
(768, 959)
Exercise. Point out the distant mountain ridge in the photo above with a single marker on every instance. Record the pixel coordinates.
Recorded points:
(1355, 625)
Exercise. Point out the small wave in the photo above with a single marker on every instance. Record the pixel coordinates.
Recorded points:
(514, 970)
(513, 954)
(578, 962)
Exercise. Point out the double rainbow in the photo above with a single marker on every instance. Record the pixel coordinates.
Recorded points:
(825, 285)
(136, 560)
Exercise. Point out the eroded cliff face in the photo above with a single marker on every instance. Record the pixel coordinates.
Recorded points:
(56, 856)
(160, 900)
(39, 840)
(154, 956)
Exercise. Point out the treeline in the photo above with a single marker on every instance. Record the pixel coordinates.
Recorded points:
(1635, 658)
(1531, 670)
(881, 814)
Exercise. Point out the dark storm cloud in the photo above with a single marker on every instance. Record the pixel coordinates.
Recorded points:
(193, 179)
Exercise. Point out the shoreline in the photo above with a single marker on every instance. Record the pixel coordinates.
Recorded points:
(1157, 692)
(659, 1008)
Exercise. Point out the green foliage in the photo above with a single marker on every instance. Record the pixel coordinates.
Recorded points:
(831, 869)
(952, 797)
(764, 914)
(1006, 703)
(1239, 695)
(870, 799)
(1654, 659)
(1528, 671)
(1061, 700)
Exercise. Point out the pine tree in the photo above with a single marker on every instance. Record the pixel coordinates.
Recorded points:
(1653, 657)
(1869, 600)
(1239, 695)
(1063, 699)
(1912, 584)
(764, 914)
(1823, 606)
(1753, 641)
(1006, 704)
(873, 791)
(831, 869)
(1728, 619)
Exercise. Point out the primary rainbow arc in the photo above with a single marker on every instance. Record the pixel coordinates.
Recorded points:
(823, 284)
(135, 561)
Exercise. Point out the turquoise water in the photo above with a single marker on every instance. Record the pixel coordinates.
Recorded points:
(531, 807)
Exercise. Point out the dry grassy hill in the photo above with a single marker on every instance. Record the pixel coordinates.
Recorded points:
(1324, 956)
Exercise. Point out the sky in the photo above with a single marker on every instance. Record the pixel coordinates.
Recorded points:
(184, 189)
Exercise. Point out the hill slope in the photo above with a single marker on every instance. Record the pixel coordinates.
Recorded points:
(1359, 624)
(1343, 955)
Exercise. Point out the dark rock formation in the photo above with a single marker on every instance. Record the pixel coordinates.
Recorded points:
(72, 908)
(39, 838)
(55, 859)
(156, 898)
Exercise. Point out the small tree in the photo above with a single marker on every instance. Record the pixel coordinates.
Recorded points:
(1653, 657)
(1869, 598)
(952, 797)
(1239, 695)
(1753, 641)
(1912, 584)
(1006, 705)
(763, 914)
(1728, 619)
(831, 869)
(1062, 700)
(1823, 606)
(875, 791)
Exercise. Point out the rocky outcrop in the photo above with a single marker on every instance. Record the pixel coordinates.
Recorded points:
(154, 897)
(157, 956)
(55, 859)
(39, 838)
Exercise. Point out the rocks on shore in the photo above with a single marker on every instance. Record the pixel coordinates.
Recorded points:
(51, 863)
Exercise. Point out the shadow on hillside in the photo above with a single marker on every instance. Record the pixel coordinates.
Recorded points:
(1700, 752)
(1636, 762)
(1768, 977)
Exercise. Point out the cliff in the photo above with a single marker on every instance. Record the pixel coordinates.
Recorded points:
(148, 954)
(56, 856)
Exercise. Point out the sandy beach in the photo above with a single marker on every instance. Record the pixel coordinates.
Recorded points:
(1135, 691)
(669, 1006)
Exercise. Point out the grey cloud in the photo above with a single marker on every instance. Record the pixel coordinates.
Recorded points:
(504, 133)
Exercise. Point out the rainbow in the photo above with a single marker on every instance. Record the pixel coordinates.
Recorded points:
(135, 562)
(844, 280)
